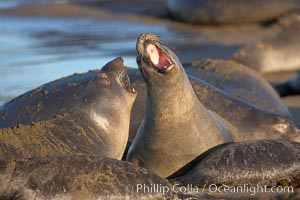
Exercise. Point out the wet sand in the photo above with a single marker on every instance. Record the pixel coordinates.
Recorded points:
(213, 42)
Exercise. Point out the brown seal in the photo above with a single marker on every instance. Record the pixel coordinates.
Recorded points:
(274, 54)
(239, 81)
(79, 177)
(175, 120)
(97, 124)
(229, 11)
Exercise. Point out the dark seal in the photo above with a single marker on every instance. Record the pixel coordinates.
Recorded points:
(289, 87)
(262, 162)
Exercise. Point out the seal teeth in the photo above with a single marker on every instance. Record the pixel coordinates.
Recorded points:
(133, 90)
(169, 68)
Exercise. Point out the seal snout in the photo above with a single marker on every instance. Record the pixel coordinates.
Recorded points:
(116, 65)
(149, 48)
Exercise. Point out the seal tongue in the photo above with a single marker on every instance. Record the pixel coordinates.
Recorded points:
(158, 58)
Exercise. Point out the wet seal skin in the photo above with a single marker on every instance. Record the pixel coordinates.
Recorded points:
(98, 124)
(76, 178)
(174, 120)
(260, 162)
(230, 11)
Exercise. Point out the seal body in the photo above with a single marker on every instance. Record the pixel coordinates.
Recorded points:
(174, 120)
(249, 121)
(229, 11)
(261, 162)
(214, 82)
(98, 124)
(78, 177)
(274, 54)
(239, 81)
(46, 101)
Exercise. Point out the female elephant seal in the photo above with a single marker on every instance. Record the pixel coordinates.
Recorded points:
(273, 54)
(98, 124)
(261, 162)
(230, 11)
(239, 81)
(78, 177)
(175, 120)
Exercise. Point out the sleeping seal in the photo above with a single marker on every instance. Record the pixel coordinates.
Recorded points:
(230, 11)
(78, 177)
(98, 124)
(274, 54)
(261, 162)
(239, 81)
(176, 126)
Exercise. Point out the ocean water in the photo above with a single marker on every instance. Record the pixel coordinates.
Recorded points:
(34, 51)
(13, 3)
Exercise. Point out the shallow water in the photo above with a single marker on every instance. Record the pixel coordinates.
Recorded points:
(34, 51)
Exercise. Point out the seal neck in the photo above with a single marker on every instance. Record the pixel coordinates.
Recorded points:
(178, 97)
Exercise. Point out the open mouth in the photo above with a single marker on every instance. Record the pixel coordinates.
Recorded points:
(159, 59)
(124, 79)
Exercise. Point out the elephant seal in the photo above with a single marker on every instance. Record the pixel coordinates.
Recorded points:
(79, 177)
(289, 87)
(175, 120)
(46, 101)
(230, 12)
(98, 124)
(250, 121)
(239, 81)
(274, 54)
(261, 162)
(249, 118)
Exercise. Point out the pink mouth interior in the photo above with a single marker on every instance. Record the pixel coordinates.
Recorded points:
(158, 58)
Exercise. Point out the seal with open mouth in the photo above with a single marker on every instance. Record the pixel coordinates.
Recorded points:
(98, 124)
(176, 126)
